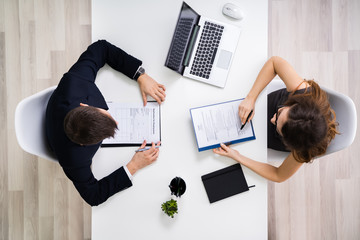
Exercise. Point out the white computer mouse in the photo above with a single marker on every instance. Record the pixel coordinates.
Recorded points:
(232, 11)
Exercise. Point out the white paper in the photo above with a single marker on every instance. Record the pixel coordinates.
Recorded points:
(136, 123)
(219, 123)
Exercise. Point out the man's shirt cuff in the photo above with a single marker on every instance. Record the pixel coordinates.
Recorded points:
(128, 173)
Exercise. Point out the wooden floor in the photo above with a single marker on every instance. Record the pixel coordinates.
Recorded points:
(40, 39)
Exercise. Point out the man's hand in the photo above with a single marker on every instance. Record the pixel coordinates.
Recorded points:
(143, 159)
(149, 86)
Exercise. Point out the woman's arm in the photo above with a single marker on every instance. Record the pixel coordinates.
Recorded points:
(274, 66)
(275, 174)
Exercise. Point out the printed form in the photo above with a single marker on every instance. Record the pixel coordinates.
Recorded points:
(136, 123)
(219, 123)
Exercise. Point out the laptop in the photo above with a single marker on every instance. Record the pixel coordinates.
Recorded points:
(201, 48)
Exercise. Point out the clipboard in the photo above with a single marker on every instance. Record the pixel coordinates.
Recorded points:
(219, 123)
(225, 183)
(136, 123)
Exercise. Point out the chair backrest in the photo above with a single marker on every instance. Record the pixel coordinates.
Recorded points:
(30, 124)
(346, 116)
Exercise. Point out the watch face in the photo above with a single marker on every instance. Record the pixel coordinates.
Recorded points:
(141, 70)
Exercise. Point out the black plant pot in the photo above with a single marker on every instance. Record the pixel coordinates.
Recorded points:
(177, 186)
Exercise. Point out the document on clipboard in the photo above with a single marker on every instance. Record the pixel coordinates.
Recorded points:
(219, 123)
(136, 123)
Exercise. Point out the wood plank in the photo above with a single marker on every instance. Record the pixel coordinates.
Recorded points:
(285, 20)
(340, 25)
(2, 16)
(87, 220)
(347, 216)
(46, 228)
(27, 48)
(61, 218)
(13, 96)
(353, 25)
(85, 14)
(42, 38)
(297, 202)
(57, 25)
(282, 215)
(16, 215)
(75, 212)
(354, 94)
(316, 25)
(312, 199)
(71, 32)
(46, 172)
(31, 197)
(4, 221)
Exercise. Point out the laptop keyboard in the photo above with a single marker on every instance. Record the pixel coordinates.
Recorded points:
(178, 50)
(206, 50)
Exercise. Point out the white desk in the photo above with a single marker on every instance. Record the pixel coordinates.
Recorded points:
(144, 29)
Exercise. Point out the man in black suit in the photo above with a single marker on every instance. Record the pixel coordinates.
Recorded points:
(77, 121)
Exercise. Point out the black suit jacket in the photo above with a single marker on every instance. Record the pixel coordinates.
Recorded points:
(78, 86)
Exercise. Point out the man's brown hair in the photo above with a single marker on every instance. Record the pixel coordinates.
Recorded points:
(87, 125)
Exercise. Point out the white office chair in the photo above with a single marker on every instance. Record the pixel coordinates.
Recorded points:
(30, 124)
(346, 116)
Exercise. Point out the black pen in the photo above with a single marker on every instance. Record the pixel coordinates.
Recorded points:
(247, 119)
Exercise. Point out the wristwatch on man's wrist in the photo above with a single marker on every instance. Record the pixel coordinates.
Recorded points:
(139, 72)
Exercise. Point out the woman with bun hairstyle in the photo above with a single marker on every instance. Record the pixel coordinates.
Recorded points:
(300, 121)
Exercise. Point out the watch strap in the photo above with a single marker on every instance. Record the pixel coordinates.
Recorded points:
(139, 72)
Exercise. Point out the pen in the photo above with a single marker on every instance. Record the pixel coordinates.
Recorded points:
(145, 148)
(247, 119)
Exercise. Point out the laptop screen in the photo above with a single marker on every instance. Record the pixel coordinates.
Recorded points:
(188, 18)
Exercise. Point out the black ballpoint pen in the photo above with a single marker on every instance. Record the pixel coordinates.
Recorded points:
(247, 119)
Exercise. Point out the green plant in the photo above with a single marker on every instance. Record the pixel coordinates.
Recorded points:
(170, 207)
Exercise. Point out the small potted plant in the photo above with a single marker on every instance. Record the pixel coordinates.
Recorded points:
(170, 207)
(177, 187)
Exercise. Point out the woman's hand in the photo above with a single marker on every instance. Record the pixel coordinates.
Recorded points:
(149, 86)
(245, 108)
(226, 151)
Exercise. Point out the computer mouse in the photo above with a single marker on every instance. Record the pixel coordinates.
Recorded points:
(232, 11)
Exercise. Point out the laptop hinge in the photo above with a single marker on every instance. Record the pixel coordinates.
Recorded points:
(191, 45)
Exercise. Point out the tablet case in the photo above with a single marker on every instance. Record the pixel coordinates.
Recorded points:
(224, 183)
